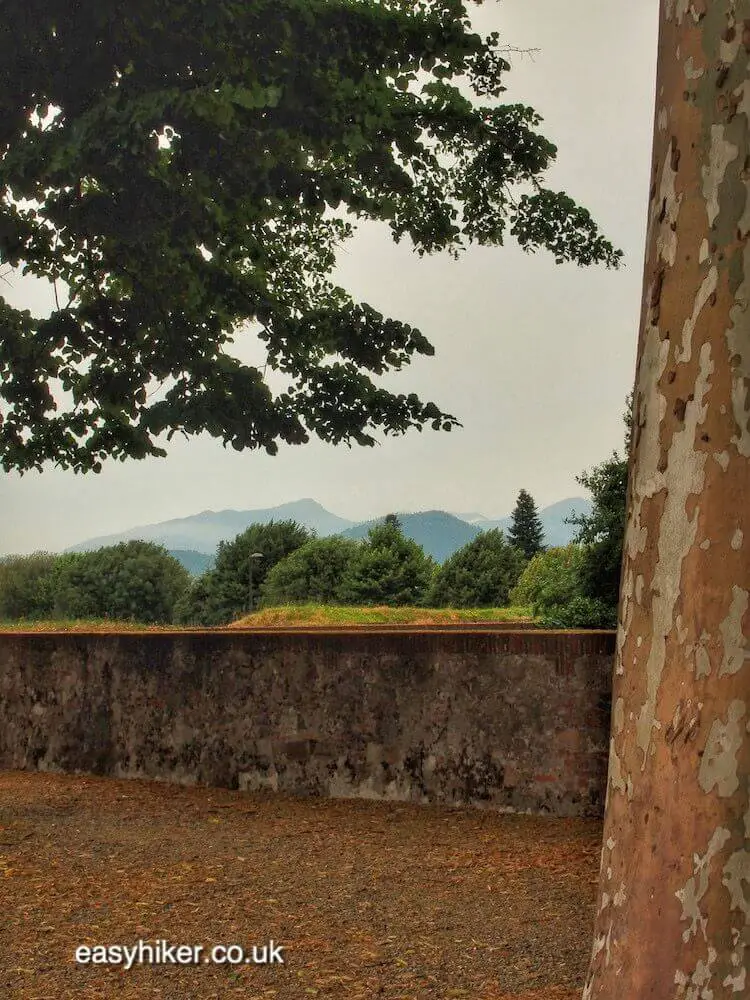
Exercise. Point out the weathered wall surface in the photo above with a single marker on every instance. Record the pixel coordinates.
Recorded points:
(510, 720)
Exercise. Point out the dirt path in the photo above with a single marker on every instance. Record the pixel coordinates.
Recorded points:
(368, 899)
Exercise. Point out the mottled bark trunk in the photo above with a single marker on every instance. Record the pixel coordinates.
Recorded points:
(673, 914)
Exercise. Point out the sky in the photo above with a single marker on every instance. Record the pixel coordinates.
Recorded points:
(535, 359)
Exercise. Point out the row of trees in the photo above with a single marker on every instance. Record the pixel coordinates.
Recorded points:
(134, 580)
(385, 568)
(142, 581)
(571, 587)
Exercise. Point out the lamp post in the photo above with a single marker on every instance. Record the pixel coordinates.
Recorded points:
(253, 555)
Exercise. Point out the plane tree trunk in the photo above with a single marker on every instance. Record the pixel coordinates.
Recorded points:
(673, 911)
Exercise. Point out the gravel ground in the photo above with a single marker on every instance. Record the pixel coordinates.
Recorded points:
(367, 899)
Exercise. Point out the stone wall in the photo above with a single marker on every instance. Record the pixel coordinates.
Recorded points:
(506, 720)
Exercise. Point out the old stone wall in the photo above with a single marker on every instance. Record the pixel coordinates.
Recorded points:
(506, 720)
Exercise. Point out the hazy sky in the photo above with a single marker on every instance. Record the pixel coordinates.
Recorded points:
(535, 359)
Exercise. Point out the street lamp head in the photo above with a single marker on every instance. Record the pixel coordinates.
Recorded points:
(256, 555)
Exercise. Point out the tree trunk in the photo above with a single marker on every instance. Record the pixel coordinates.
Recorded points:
(673, 913)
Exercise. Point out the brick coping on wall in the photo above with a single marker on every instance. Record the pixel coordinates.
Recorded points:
(563, 645)
(317, 630)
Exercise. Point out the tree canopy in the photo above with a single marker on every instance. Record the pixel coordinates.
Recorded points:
(549, 579)
(602, 532)
(388, 569)
(222, 593)
(314, 572)
(134, 580)
(27, 585)
(186, 171)
(480, 575)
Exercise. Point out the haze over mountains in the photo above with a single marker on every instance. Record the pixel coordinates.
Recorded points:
(193, 540)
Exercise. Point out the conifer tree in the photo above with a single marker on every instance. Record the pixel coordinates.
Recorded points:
(389, 568)
(526, 531)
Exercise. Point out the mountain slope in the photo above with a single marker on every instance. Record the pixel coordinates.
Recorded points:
(196, 563)
(203, 532)
(556, 532)
(440, 534)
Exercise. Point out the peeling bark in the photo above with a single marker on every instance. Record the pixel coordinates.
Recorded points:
(673, 917)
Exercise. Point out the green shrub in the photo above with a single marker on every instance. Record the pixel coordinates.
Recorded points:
(580, 612)
(553, 584)
(550, 579)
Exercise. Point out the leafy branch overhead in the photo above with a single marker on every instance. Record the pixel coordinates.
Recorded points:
(181, 170)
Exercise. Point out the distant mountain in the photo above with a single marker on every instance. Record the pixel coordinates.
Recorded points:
(472, 517)
(203, 532)
(194, 539)
(196, 563)
(440, 534)
(556, 532)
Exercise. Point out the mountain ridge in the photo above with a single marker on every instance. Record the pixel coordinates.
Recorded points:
(209, 527)
(440, 532)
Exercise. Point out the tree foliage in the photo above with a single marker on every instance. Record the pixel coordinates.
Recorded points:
(182, 170)
(222, 593)
(578, 586)
(550, 579)
(388, 569)
(581, 611)
(602, 532)
(480, 575)
(134, 580)
(27, 585)
(312, 573)
(526, 531)
(196, 604)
